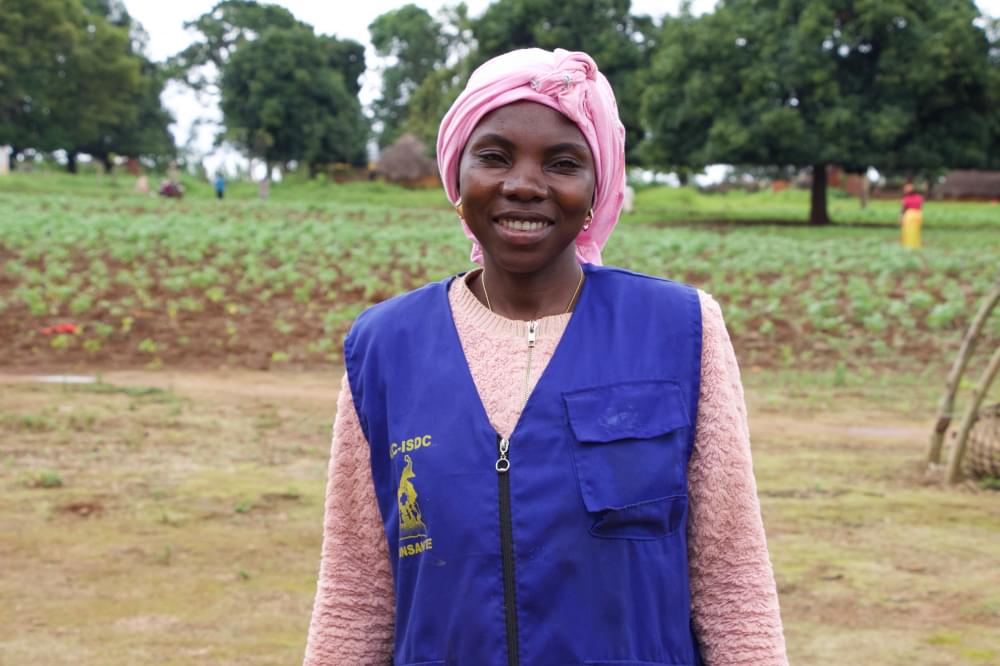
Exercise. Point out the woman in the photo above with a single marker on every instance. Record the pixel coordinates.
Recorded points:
(911, 217)
(542, 461)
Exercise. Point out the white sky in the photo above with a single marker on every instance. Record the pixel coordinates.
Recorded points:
(164, 21)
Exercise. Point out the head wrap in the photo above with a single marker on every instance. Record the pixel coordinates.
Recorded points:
(567, 81)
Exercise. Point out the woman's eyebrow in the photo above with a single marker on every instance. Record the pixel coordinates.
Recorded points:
(492, 137)
(570, 146)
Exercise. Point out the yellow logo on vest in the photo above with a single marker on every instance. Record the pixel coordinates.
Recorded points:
(411, 523)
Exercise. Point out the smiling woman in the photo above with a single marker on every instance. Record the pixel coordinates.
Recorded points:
(583, 492)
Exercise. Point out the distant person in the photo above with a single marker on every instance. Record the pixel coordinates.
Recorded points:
(220, 186)
(171, 189)
(912, 217)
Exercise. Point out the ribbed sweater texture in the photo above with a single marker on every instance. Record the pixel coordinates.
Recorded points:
(734, 602)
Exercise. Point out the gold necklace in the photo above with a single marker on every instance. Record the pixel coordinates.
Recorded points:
(569, 306)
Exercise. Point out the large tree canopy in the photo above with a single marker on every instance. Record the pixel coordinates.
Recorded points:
(286, 93)
(232, 23)
(221, 30)
(71, 78)
(430, 59)
(895, 85)
(284, 98)
(418, 47)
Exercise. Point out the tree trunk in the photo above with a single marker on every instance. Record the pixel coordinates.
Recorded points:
(71, 161)
(683, 177)
(817, 205)
(109, 164)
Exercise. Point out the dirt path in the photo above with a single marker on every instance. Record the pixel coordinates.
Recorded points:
(321, 388)
(309, 387)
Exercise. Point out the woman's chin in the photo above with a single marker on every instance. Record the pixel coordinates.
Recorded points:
(528, 260)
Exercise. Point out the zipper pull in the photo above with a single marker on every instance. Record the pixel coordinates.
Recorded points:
(503, 463)
(532, 327)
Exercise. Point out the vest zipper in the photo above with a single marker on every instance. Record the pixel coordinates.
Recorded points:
(506, 529)
(532, 329)
(507, 551)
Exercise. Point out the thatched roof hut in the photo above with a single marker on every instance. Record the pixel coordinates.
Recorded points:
(971, 185)
(406, 162)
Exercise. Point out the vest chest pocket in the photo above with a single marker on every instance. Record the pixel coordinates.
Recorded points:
(631, 456)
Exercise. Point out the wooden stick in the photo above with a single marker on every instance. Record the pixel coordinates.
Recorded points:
(958, 452)
(947, 403)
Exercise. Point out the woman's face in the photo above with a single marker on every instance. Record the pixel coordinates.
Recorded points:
(527, 182)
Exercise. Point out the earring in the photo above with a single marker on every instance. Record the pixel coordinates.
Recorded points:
(590, 218)
(459, 209)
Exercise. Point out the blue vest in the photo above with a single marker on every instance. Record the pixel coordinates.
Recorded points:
(577, 553)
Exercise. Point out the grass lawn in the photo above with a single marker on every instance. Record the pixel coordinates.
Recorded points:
(175, 517)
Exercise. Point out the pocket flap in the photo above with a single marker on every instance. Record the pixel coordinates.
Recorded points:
(630, 410)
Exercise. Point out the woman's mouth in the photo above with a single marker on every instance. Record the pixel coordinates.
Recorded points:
(518, 231)
(512, 224)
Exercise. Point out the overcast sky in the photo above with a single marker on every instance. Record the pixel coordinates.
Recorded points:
(164, 21)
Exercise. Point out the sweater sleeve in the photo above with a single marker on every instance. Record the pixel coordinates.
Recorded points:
(733, 596)
(352, 619)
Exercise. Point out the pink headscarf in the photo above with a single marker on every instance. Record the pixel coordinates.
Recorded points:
(567, 82)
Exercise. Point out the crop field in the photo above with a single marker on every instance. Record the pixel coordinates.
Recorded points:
(170, 511)
(125, 280)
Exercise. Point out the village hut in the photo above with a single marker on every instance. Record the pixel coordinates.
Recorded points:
(406, 162)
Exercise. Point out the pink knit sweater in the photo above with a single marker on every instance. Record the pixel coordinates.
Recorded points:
(734, 603)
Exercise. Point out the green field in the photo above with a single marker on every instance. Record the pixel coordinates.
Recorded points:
(170, 513)
(249, 283)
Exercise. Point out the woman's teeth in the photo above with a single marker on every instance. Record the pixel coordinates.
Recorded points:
(522, 225)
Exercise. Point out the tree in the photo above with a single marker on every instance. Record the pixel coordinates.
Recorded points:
(993, 32)
(894, 85)
(431, 100)
(284, 99)
(35, 40)
(619, 42)
(232, 23)
(222, 30)
(70, 79)
(271, 108)
(143, 131)
(418, 46)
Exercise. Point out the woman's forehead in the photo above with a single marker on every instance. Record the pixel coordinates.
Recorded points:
(528, 123)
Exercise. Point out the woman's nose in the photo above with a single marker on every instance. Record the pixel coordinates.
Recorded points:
(524, 182)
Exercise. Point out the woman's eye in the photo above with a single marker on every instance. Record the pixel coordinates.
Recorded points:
(495, 158)
(567, 165)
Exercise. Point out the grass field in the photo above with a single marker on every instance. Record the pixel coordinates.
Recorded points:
(170, 513)
(174, 517)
